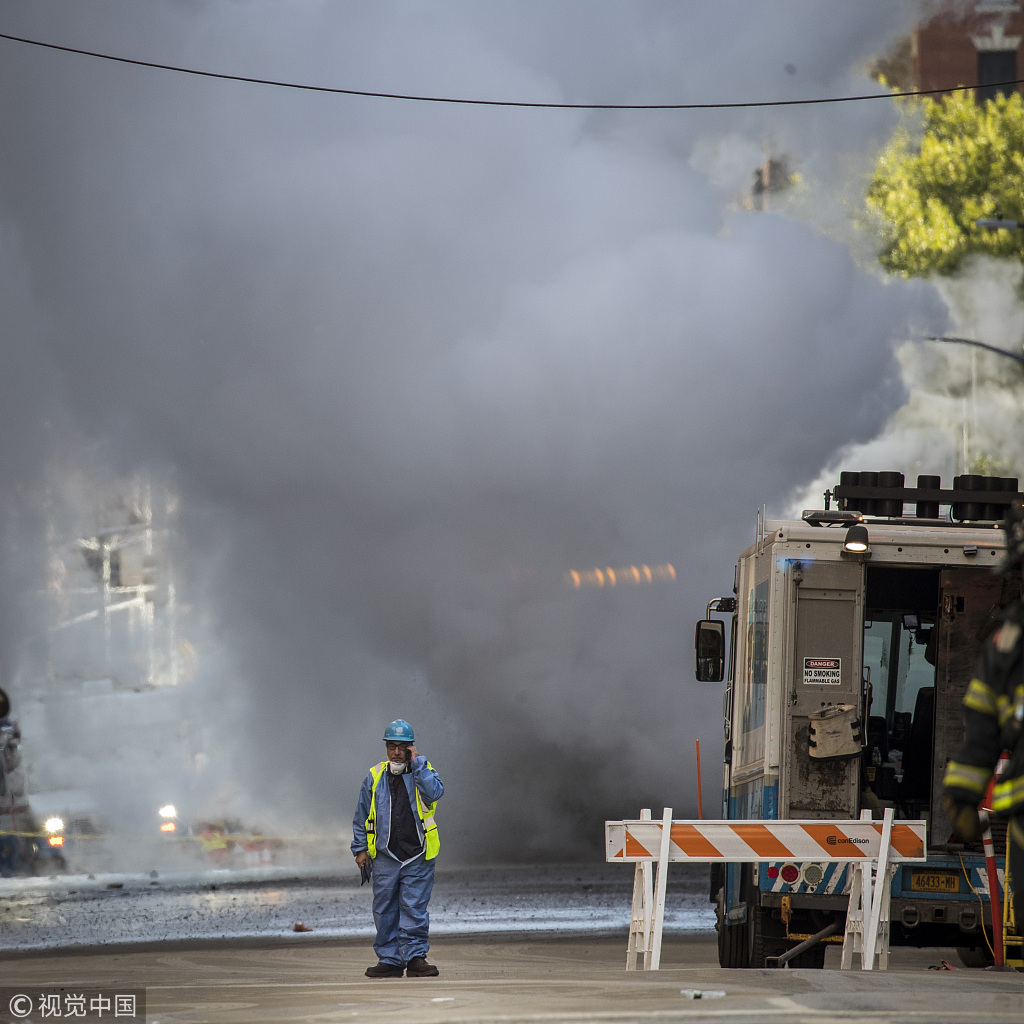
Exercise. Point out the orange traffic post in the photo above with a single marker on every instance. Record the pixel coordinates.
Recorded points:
(994, 895)
(700, 804)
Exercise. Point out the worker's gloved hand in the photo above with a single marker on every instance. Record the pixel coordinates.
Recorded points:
(965, 820)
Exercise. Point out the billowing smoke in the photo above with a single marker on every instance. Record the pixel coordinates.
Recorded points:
(409, 364)
(964, 412)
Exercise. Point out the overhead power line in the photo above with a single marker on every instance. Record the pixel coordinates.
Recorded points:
(499, 103)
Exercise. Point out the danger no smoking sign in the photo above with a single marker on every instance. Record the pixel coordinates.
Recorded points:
(822, 671)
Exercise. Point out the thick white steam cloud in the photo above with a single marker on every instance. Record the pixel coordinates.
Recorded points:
(410, 363)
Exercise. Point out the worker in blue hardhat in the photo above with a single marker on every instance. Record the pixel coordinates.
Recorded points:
(394, 836)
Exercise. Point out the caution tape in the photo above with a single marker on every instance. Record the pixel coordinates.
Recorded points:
(758, 841)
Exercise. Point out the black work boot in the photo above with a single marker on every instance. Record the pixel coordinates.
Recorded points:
(419, 968)
(384, 970)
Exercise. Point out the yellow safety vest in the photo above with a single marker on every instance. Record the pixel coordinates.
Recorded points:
(430, 837)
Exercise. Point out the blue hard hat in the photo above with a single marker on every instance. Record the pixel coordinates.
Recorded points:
(399, 731)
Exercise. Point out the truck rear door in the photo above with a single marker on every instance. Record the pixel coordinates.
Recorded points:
(825, 669)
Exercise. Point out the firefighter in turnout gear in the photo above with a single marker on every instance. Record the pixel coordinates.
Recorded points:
(394, 836)
(994, 722)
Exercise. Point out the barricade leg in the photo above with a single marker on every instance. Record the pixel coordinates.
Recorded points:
(882, 947)
(642, 911)
(859, 906)
(853, 937)
(878, 923)
(867, 917)
(661, 881)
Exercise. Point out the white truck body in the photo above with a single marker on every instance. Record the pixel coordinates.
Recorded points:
(884, 642)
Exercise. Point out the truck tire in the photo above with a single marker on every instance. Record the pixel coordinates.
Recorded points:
(766, 938)
(732, 939)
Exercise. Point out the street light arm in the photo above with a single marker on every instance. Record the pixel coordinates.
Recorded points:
(998, 224)
(980, 344)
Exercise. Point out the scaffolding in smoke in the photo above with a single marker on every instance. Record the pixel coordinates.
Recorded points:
(111, 596)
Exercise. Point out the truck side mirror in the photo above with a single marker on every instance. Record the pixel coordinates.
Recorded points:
(709, 647)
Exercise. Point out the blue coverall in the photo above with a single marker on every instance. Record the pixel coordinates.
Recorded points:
(401, 889)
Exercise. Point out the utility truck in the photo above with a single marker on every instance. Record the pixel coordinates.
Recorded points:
(853, 634)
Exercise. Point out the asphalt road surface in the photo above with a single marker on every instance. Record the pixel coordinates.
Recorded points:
(522, 944)
(504, 981)
(130, 911)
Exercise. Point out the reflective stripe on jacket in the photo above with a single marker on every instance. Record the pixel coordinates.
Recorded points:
(371, 826)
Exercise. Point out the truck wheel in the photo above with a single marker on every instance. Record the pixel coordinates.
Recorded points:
(732, 939)
(766, 937)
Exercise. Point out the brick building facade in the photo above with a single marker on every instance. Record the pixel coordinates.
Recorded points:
(975, 44)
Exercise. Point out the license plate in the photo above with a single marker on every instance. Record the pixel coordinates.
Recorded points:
(934, 881)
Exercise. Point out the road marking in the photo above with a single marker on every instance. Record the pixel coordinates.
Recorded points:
(786, 1003)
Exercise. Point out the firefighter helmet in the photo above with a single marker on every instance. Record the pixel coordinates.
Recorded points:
(399, 731)
(1013, 526)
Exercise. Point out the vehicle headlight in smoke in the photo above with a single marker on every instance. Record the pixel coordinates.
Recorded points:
(168, 811)
(54, 826)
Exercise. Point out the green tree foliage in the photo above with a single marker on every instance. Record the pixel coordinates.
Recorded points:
(928, 189)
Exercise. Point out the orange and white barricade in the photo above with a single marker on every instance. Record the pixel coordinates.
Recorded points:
(874, 848)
